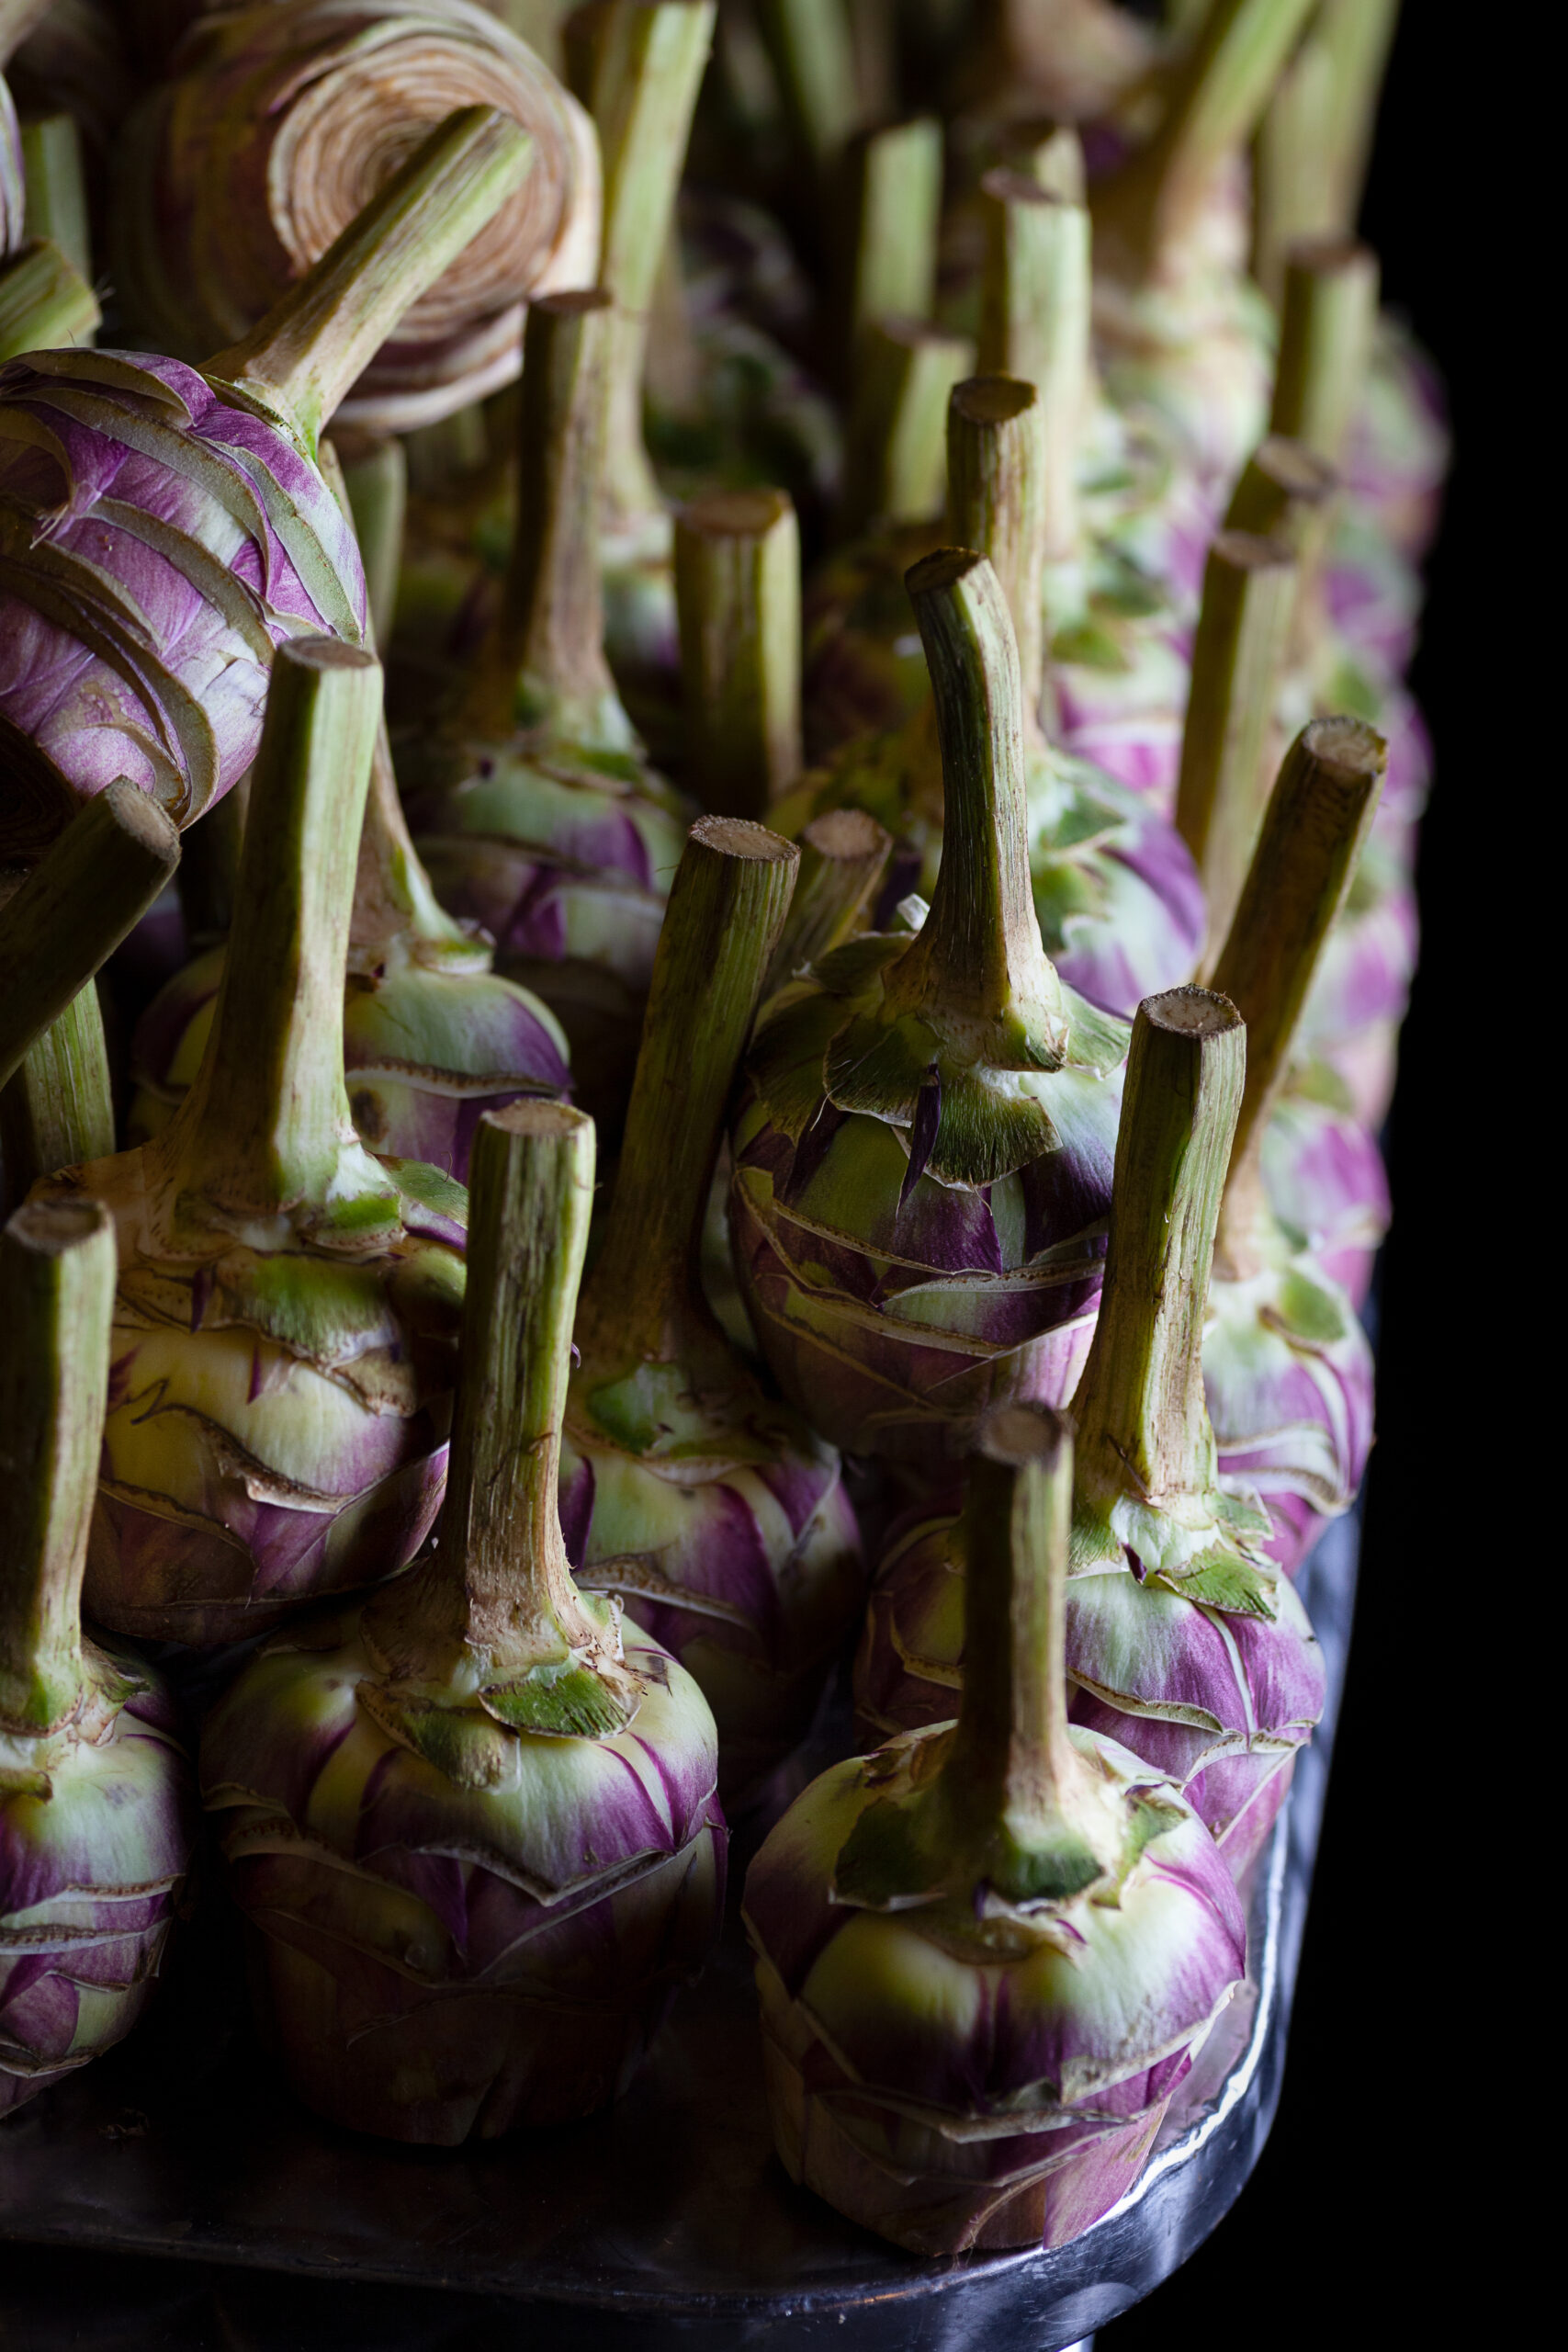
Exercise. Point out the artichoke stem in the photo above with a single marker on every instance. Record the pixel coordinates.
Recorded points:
(996, 469)
(264, 1125)
(1250, 586)
(979, 956)
(812, 51)
(636, 68)
(57, 193)
(1034, 323)
(1313, 831)
(1011, 1768)
(375, 489)
(58, 1110)
(898, 420)
(547, 658)
(1141, 1420)
(57, 1285)
(887, 218)
(75, 907)
(1357, 35)
(1330, 310)
(1215, 99)
(737, 594)
(321, 335)
(1280, 493)
(45, 303)
(843, 856)
(726, 909)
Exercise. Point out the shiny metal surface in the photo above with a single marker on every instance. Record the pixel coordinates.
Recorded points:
(669, 2221)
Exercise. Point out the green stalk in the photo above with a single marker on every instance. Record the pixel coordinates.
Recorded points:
(266, 1128)
(1313, 831)
(637, 67)
(977, 957)
(376, 489)
(896, 459)
(812, 53)
(1283, 490)
(1050, 154)
(890, 212)
(737, 594)
(496, 1599)
(1248, 593)
(1216, 97)
(57, 195)
(57, 1111)
(57, 1286)
(314, 343)
(77, 904)
(997, 475)
(1358, 36)
(1141, 1420)
(1293, 195)
(45, 303)
(726, 908)
(843, 856)
(1035, 323)
(545, 662)
(1326, 329)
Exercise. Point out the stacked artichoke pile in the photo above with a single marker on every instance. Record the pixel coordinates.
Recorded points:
(981, 966)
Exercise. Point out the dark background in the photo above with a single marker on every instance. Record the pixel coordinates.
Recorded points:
(1380, 2104)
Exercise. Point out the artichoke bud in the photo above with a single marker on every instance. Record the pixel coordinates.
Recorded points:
(96, 1813)
(287, 1303)
(910, 1898)
(474, 1827)
(534, 808)
(717, 1516)
(160, 537)
(923, 1154)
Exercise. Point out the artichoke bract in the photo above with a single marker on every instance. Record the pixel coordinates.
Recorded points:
(987, 1954)
(163, 530)
(922, 1159)
(1119, 907)
(716, 1514)
(534, 809)
(97, 1811)
(1286, 1362)
(1181, 1638)
(473, 1825)
(287, 1305)
(276, 124)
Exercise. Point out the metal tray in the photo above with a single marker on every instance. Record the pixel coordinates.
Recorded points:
(669, 2221)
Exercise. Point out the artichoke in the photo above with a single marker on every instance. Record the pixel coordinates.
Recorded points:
(275, 125)
(1287, 1365)
(1181, 1638)
(717, 1516)
(533, 808)
(96, 1808)
(989, 1953)
(287, 1303)
(922, 1158)
(472, 1826)
(1117, 896)
(161, 530)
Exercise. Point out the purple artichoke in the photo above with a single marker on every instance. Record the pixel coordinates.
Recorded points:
(534, 809)
(162, 531)
(987, 1954)
(716, 1514)
(96, 1807)
(286, 1303)
(922, 1161)
(1398, 452)
(473, 1828)
(1325, 1182)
